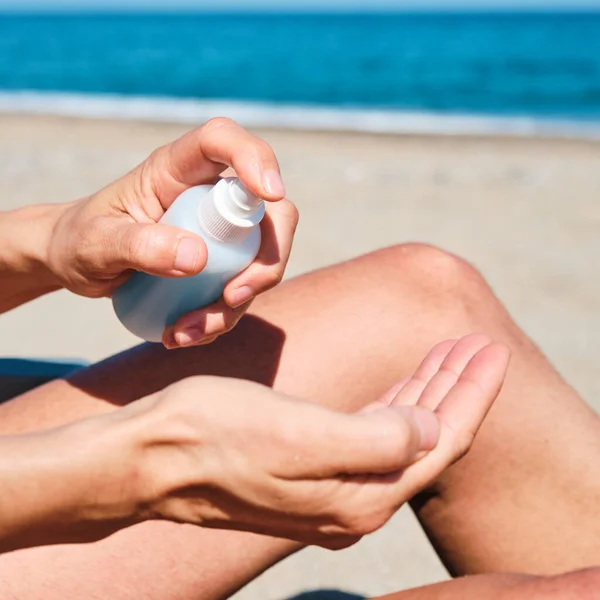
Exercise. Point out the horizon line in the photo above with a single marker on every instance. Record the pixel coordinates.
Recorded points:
(567, 8)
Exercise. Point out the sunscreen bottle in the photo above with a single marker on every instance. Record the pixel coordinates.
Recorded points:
(227, 217)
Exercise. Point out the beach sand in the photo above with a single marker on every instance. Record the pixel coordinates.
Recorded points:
(526, 212)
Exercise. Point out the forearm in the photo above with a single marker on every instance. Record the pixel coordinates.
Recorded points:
(64, 485)
(24, 239)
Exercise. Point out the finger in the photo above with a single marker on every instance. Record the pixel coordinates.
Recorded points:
(170, 343)
(378, 442)
(410, 393)
(373, 407)
(202, 154)
(451, 368)
(197, 327)
(268, 268)
(388, 398)
(152, 248)
(461, 414)
(466, 405)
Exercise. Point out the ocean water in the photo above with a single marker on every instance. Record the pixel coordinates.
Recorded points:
(503, 73)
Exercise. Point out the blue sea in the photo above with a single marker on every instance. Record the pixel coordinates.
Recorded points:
(448, 73)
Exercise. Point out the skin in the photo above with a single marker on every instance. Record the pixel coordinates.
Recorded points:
(281, 335)
(442, 295)
(582, 585)
(368, 337)
(179, 455)
(93, 245)
(228, 467)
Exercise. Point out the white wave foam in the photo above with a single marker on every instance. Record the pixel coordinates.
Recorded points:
(269, 115)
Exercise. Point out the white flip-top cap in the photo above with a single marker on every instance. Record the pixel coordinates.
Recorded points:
(230, 211)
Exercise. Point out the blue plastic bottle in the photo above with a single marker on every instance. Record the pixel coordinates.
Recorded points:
(227, 216)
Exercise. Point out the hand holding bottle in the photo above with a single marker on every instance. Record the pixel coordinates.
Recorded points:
(95, 244)
(227, 217)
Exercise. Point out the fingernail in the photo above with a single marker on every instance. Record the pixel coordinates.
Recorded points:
(429, 427)
(169, 339)
(273, 183)
(186, 257)
(241, 296)
(189, 337)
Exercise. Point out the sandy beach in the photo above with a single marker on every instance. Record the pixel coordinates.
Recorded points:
(526, 212)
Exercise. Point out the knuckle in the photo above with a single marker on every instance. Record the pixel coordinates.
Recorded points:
(272, 277)
(291, 212)
(227, 328)
(462, 444)
(263, 146)
(217, 124)
(231, 318)
(397, 440)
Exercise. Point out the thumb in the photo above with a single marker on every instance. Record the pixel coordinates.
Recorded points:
(397, 436)
(156, 249)
(376, 441)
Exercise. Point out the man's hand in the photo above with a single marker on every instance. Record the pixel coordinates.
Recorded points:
(96, 243)
(231, 454)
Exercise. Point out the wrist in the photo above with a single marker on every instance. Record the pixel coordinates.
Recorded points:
(107, 461)
(26, 236)
(169, 458)
(67, 485)
(32, 231)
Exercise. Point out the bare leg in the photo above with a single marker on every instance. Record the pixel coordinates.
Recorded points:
(582, 585)
(524, 500)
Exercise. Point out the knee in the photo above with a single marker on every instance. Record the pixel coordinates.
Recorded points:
(441, 278)
(433, 268)
(444, 294)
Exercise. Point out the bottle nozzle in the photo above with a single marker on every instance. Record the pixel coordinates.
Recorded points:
(243, 197)
(230, 211)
